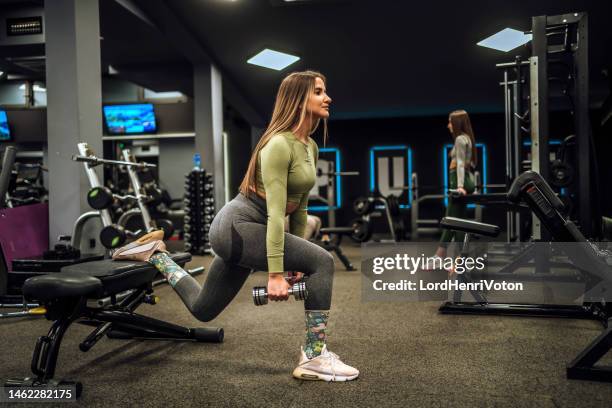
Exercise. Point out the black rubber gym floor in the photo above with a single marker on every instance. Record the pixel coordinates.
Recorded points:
(407, 353)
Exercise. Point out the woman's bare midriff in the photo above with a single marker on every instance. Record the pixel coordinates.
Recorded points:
(453, 165)
(291, 207)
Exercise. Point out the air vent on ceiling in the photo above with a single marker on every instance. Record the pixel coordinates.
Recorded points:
(24, 26)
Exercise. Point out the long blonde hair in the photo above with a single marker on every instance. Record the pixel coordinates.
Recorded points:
(289, 113)
(463, 126)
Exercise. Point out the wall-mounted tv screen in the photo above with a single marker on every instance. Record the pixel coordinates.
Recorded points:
(5, 133)
(130, 119)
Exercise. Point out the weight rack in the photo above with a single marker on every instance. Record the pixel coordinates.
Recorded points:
(199, 211)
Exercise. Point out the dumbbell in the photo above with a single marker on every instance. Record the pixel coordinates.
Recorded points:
(100, 198)
(260, 293)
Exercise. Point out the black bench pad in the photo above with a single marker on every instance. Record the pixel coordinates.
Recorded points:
(529, 179)
(472, 227)
(94, 279)
(61, 285)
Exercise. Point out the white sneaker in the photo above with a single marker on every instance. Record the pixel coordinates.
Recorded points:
(326, 367)
(142, 248)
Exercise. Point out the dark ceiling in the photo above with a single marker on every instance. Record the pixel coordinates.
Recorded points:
(382, 58)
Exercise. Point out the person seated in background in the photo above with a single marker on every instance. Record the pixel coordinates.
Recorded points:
(311, 230)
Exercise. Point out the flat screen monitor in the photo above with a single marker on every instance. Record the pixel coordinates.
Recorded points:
(5, 133)
(130, 119)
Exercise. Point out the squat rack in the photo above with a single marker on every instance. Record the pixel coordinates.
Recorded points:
(533, 119)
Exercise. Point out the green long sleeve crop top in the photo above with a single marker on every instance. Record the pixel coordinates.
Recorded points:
(286, 172)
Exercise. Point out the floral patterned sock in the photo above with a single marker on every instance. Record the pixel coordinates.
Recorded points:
(167, 267)
(316, 324)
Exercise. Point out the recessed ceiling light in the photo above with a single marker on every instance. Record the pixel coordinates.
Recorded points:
(506, 40)
(273, 59)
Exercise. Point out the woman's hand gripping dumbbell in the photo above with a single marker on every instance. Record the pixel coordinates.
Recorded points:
(279, 289)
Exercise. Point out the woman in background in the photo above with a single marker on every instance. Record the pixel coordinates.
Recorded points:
(464, 160)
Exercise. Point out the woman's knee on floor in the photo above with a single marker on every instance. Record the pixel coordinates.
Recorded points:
(204, 314)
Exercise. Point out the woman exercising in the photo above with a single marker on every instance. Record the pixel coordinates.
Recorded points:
(248, 232)
(461, 177)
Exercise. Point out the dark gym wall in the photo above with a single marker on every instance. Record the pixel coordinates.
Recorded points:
(27, 125)
(116, 90)
(426, 136)
(174, 161)
(603, 147)
(239, 148)
(174, 117)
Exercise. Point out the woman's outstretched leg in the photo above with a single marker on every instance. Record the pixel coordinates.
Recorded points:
(204, 302)
(167, 267)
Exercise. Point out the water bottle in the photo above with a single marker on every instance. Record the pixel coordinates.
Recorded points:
(197, 161)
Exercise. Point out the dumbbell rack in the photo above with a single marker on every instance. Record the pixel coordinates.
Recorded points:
(199, 211)
(113, 235)
(141, 197)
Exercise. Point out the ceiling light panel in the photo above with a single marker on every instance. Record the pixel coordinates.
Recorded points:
(273, 59)
(506, 40)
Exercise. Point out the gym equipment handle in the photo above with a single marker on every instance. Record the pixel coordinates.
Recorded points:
(94, 161)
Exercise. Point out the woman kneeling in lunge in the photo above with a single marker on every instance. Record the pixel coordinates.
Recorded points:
(248, 232)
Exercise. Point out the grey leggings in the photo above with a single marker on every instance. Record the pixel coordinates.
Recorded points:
(238, 237)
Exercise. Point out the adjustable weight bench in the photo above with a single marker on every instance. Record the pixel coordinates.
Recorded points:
(470, 226)
(103, 294)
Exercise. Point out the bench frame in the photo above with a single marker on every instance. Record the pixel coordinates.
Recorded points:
(531, 189)
(115, 318)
